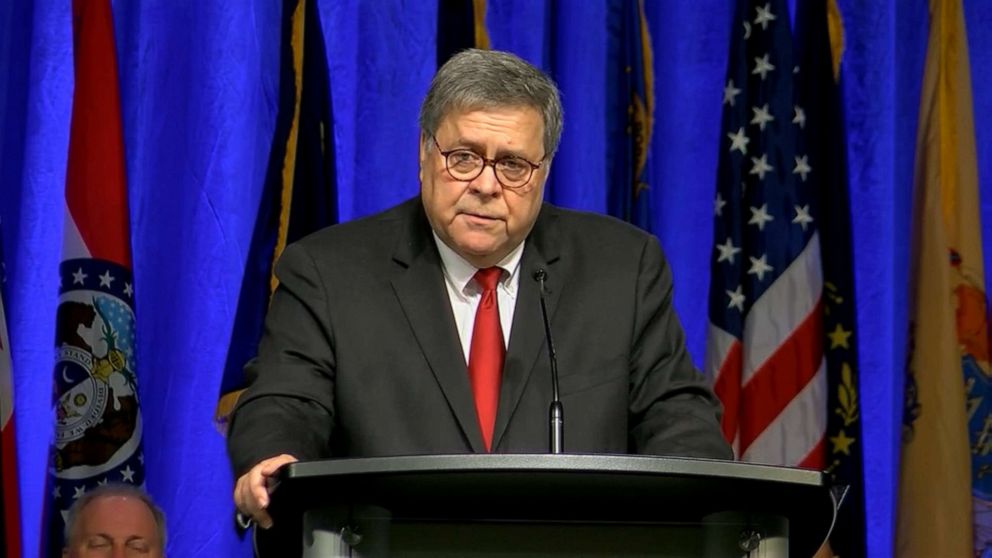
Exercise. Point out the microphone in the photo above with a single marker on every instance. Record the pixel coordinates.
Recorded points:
(556, 411)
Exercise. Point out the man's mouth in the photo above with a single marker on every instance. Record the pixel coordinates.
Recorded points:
(480, 216)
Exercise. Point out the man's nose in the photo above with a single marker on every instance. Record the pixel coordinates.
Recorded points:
(487, 183)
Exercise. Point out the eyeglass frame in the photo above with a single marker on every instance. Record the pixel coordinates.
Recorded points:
(486, 162)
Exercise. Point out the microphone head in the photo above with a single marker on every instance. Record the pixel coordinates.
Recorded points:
(541, 276)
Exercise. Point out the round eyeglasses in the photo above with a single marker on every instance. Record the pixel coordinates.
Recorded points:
(466, 165)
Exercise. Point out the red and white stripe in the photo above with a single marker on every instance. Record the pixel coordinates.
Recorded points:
(11, 507)
(773, 382)
(97, 218)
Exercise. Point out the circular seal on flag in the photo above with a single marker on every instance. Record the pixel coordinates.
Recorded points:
(96, 400)
(83, 398)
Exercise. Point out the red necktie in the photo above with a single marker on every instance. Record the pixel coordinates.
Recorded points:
(485, 358)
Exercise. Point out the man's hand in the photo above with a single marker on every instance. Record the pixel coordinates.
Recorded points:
(251, 493)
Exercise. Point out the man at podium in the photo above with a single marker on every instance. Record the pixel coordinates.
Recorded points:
(420, 330)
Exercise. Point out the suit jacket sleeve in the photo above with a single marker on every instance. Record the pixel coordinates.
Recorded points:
(672, 411)
(288, 407)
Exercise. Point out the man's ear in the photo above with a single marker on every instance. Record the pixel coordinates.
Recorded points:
(422, 156)
(546, 168)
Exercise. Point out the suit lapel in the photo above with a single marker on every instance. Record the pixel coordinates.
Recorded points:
(527, 338)
(420, 290)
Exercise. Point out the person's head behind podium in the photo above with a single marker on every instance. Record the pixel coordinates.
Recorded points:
(114, 520)
(487, 109)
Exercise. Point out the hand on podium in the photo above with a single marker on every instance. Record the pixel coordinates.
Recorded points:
(825, 551)
(251, 493)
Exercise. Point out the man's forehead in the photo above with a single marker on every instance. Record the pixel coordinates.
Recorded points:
(458, 112)
(523, 121)
(116, 508)
(115, 500)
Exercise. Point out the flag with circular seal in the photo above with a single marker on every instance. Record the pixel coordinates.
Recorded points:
(97, 416)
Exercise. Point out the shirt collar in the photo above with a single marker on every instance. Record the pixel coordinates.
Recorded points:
(459, 272)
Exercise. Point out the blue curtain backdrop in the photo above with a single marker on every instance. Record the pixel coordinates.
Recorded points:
(199, 86)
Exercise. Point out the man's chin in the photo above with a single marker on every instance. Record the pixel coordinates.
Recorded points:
(479, 251)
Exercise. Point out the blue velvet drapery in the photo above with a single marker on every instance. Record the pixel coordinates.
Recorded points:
(199, 83)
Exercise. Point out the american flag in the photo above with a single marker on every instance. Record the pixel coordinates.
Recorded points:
(764, 346)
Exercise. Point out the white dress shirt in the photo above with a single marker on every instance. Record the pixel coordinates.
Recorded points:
(465, 294)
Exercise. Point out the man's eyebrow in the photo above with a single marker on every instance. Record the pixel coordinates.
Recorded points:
(462, 143)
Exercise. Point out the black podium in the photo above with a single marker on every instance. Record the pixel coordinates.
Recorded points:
(553, 505)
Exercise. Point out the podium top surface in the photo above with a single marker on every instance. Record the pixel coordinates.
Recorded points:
(550, 463)
(564, 488)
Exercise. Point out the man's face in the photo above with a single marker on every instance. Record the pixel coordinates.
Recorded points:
(481, 220)
(114, 526)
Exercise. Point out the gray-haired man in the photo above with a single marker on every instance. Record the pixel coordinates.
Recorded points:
(419, 330)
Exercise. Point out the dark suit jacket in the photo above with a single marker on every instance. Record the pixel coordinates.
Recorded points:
(360, 355)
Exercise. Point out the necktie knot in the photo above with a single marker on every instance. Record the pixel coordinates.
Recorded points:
(488, 278)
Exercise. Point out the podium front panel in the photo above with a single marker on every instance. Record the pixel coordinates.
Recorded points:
(592, 504)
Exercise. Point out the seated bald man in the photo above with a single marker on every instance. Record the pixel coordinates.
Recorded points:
(114, 520)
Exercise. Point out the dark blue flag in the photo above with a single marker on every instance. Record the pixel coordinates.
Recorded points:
(460, 25)
(630, 114)
(819, 36)
(299, 195)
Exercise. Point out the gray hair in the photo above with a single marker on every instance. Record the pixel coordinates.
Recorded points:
(480, 79)
(110, 490)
